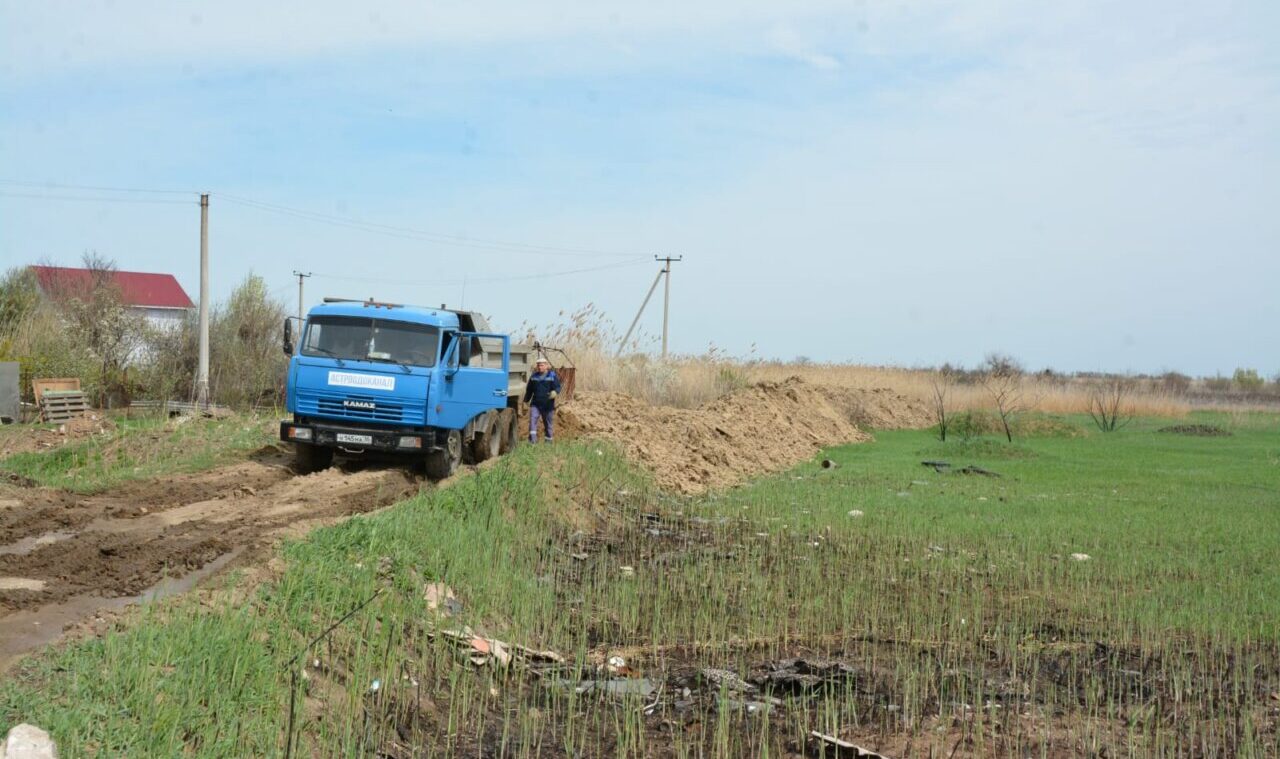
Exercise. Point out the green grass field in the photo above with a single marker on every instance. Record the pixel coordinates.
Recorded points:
(140, 448)
(959, 619)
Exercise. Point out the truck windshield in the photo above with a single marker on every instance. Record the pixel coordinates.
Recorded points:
(353, 338)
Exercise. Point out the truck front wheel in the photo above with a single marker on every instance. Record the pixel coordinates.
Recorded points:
(443, 461)
(308, 458)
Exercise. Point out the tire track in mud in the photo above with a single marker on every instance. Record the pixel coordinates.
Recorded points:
(64, 556)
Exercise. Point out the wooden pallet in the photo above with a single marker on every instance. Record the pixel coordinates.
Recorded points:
(62, 405)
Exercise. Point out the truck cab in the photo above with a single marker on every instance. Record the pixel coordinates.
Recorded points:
(431, 384)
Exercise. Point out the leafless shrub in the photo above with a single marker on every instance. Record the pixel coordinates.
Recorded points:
(1109, 403)
(1175, 383)
(1007, 395)
(246, 364)
(1001, 365)
(97, 318)
(941, 383)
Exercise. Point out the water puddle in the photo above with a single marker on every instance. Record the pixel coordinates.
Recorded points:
(29, 544)
(24, 631)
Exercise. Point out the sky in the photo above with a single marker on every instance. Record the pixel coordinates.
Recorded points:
(1087, 186)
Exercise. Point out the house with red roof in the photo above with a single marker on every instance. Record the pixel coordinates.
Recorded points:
(158, 297)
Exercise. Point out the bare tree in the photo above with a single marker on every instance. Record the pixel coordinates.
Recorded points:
(942, 382)
(98, 318)
(1003, 382)
(1109, 403)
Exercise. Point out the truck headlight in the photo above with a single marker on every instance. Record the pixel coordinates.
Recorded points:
(300, 433)
(410, 442)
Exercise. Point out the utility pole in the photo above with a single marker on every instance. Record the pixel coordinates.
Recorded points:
(666, 296)
(300, 276)
(622, 346)
(202, 373)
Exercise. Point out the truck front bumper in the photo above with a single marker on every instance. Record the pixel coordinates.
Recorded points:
(356, 439)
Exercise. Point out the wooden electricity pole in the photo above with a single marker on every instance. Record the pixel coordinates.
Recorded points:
(202, 372)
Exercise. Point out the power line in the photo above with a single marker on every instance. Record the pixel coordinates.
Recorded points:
(410, 233)
(469, 280)
(95, 188)
(98, 199)
(406, 233)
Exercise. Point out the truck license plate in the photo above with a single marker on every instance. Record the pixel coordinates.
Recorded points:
(355, 439)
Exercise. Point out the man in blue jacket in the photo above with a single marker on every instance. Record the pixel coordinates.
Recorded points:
(540, 393)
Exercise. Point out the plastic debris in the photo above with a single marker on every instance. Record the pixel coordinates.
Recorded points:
(856, 513)
(1080, 557)
(440, 598)
(481, 651)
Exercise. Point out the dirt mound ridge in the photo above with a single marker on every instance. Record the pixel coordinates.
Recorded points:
(762, 428)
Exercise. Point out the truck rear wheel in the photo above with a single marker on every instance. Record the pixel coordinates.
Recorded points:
(487, 445)
(308, 458)
(510, 425)
(443, 462)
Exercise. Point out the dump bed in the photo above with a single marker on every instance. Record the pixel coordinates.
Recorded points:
(488, 353)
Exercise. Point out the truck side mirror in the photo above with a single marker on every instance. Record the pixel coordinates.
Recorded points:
(450, 357)
(287, 343)
(464, 351)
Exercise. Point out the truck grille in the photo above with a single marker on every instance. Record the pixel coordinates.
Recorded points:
(333, 405)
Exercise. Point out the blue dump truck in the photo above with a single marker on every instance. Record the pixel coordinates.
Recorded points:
(431, 384)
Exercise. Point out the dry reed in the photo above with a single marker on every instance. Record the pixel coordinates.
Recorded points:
(588, 338)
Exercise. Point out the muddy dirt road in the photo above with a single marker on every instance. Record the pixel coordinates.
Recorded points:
(65, 556)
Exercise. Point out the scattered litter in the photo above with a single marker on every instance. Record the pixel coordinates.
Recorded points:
(375, 686)
(723, 678)
(481, 651)
(856, 513)
(971, 469)
(752, 708)
(615, 687)
(938, 466)
(800, 675)
(440, 597)
(837, 747)
(903, 494)
(628, 571)
(1080, 557)
(828, 464)
(618, 666)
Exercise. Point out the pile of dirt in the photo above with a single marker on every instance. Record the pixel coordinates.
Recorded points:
(763, 428)
(24, 438)
(1197, 430)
